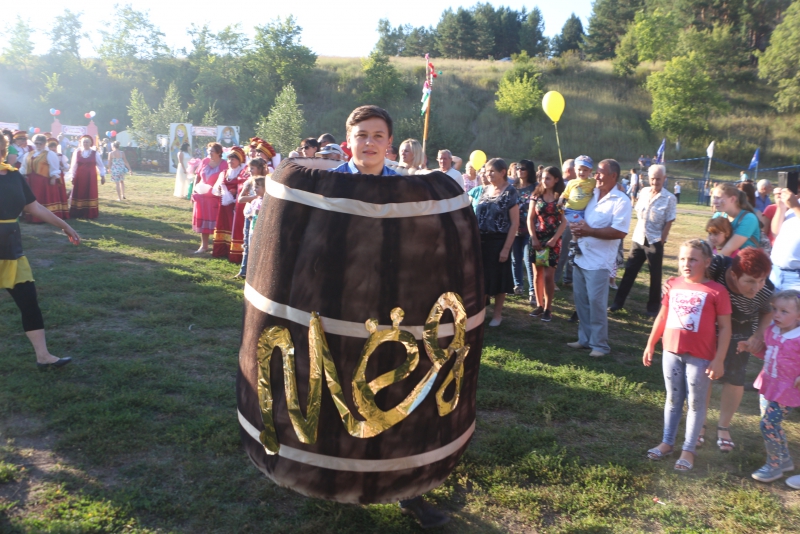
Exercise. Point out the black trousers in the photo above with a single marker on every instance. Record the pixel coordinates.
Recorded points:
(678, 198)
(654, 255)
(25, 297)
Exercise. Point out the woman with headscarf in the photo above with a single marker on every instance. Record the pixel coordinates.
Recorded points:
(206, 205)
(15, 272)
(86, 163)
(42, 169)
(227, 187)
(18, 148)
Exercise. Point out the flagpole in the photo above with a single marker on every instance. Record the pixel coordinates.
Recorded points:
(755, 179)
(427, 119)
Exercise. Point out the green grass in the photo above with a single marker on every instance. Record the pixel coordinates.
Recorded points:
(139, 434)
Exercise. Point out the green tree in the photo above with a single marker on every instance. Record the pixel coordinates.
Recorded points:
(147, 123)
(519, 97)
(684, 97)
(18, 53)
(722, 50)
(656, 34)
(531, 34)
(382, 80)
(779, 64)
(486, 23)
(132, 41)
(627, 55)
(66, 35)
(570, 38)
(278, 48)
(283, 127)
(456, 34)
(391, 41)
(420, 41)
(607, 24)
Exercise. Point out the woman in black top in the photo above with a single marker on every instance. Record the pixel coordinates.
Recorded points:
(15, 272)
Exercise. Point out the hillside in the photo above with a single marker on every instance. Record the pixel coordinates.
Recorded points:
(605, 116)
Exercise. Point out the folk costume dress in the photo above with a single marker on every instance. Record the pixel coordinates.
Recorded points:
(239, 220)
(40, 167)
(231, 180)
(206, 205)
(83, 199)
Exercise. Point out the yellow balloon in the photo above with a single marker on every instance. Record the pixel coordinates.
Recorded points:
(553, 104)
(478, 159)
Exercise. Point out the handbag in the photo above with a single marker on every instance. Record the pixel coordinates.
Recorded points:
(227, 197)
(542, 258)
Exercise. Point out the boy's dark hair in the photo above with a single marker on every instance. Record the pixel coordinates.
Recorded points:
(327, 139)
(363, 113)
(313, 143)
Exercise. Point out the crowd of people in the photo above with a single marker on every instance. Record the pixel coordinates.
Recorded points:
(737, 293)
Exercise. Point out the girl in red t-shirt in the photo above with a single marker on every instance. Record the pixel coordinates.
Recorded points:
(694, 326)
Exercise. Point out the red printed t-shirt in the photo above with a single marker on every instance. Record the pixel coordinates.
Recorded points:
(692, 317)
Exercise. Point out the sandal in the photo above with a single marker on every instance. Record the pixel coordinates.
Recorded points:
(724, 442)
(683, 465)
(656, 455)
(701, 439)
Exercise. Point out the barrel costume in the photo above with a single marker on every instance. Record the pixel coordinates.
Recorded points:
(356, 276)
(15, 272)
(39, 169)
(83, 199)
(232, 181)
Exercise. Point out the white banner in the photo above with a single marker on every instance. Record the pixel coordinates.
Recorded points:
(74, 130)
(204, 131)
(15, 126)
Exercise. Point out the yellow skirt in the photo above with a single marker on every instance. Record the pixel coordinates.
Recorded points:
(13, 272)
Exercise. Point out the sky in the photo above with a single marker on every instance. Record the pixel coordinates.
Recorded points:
(329, 28)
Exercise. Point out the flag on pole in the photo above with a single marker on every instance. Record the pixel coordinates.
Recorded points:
(754, 161)
(660, 153)
(710, 149)
(426, 94)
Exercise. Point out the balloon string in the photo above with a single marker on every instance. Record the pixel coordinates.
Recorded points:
(558, 142)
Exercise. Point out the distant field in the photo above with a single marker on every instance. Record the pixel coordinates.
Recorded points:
(605, 115)
(139, 434)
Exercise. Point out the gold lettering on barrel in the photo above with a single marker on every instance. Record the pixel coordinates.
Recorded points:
(375, 420)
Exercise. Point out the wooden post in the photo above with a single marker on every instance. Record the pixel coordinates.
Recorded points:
(427, 120)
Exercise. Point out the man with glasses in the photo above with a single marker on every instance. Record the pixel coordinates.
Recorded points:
(309, 147)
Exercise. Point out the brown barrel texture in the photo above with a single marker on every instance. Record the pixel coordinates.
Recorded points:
(362, 334)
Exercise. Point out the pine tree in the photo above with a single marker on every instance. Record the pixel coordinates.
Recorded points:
(607, 24)
(383, 82)
(456, 34)
(531, 34)
(283, 127)
(571, 36)
(779, 65)
(420, 41)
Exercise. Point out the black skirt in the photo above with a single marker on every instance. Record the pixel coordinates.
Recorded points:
(497, 277)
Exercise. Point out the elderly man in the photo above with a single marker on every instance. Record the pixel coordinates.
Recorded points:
(445, 159)
(655, 211)
(568, 171)
(763, 192)
(606, 220)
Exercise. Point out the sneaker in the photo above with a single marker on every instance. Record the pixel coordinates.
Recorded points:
(537, 311)
(426, 514)
(793, 482)
(518, 290)
(614, 308)
(768, 474)
(547, 316)
(573, 318)
(787, 465)
(532, 299)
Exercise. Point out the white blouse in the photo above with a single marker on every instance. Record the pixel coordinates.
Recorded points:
(85, 154)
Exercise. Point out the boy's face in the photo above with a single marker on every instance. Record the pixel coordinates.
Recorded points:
(369, 140)
(584, 172)
(260, 190)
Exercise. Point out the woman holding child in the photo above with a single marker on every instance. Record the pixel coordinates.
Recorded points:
(732, 203)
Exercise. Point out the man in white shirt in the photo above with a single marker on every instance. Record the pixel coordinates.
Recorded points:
(655, 211)
(606, 220)
(785, 253)
(445, 159)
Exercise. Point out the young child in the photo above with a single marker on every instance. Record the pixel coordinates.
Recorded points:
(577, 195)
(780, 383)
(719, 231)
(251, 210)
(694, 351)
(258, 169)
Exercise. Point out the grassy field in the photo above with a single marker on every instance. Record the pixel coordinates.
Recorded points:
(140, 434)
(605, 116)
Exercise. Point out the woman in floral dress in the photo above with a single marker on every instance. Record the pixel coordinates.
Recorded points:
(546, 224)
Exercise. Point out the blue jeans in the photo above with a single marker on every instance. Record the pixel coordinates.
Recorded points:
(520, 256)
(563, 260)
(245, 247)
(684, 376)
(590, 291)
